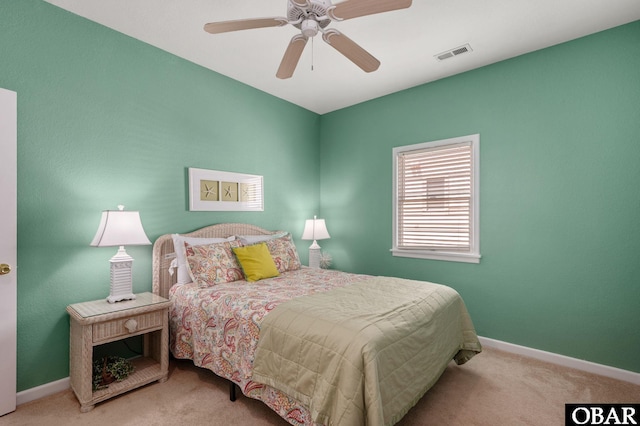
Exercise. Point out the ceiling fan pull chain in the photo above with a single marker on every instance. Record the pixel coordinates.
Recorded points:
(312, 53)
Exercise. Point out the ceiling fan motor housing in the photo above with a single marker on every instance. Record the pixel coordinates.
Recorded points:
(309, 12)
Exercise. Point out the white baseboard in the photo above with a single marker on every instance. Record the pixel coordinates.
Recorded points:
(565, 361)
(41, 391)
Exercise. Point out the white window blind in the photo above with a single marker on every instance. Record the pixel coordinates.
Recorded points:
(435, 200)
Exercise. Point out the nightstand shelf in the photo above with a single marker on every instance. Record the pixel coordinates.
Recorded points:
(98, 322)
(147, 370)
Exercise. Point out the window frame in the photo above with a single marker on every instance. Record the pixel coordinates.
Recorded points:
(471, 256)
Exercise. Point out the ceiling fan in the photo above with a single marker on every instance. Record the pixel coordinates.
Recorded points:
(311, 17)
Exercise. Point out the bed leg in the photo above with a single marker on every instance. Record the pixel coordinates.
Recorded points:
(232, 391)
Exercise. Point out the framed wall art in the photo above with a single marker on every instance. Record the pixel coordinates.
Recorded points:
(213, 190)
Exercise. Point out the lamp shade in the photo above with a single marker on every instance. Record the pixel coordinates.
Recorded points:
(315, 229)
(120, 228)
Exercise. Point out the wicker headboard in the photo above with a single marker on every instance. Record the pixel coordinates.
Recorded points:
(163, 250)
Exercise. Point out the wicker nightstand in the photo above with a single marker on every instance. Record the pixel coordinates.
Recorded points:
(98, 322)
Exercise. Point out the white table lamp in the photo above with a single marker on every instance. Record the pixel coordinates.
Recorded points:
(315, 229)
(120, 228)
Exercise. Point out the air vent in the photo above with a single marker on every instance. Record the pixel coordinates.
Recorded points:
(454, 52)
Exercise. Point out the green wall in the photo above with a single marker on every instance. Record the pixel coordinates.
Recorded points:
(560, 177)
(104, 119)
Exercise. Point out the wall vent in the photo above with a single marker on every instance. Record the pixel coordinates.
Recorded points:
(454, 52)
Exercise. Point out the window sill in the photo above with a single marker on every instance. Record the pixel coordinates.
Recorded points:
(437, 255)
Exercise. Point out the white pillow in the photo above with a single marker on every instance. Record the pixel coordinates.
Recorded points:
(253, 239)
(181, 255)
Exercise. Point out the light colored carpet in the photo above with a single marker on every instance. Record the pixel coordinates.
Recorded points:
(494, 388)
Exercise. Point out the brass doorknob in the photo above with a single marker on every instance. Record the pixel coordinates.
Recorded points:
(5, 269)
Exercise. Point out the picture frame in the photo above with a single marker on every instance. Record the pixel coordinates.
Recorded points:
(214, 190)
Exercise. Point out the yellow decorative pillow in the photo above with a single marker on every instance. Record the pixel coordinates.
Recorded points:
(256, 262)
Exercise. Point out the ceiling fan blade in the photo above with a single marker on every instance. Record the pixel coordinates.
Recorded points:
(351, 50)
(355, 8)
(243, 24)
(292, 56)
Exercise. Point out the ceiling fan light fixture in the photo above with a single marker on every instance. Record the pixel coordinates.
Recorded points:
(309, 27)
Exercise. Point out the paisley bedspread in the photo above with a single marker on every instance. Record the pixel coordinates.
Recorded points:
(218, 327)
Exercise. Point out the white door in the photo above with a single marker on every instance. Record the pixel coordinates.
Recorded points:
(8, 250)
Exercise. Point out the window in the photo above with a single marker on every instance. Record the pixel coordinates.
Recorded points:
(436, 200)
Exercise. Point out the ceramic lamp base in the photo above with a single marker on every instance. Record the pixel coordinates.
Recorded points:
(314, 257)
(121, 277)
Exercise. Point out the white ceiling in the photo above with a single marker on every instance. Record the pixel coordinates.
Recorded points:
(405, 41)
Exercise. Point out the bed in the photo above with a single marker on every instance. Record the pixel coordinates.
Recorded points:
(318, 346)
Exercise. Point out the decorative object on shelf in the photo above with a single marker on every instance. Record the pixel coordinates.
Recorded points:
(315, 229)
(110, 369)
(325, 260)
(212, 190)
(120, 228)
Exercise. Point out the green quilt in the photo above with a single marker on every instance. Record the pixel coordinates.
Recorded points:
(366, 353)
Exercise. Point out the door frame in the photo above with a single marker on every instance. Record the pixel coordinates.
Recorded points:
(8, 249)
